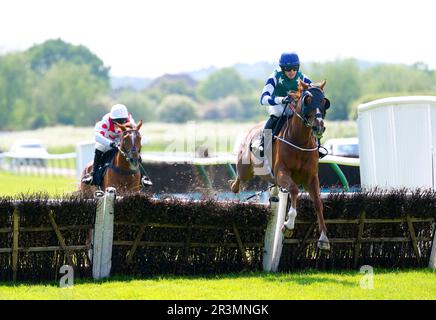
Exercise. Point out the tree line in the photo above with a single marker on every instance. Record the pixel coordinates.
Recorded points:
(59, 83)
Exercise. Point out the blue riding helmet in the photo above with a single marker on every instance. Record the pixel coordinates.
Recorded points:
(288, 60)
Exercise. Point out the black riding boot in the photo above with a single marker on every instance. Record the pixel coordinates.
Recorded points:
(270, 125)
(98, 156)
(91, 177)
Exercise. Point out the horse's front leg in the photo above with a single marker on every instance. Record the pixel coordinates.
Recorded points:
(285, 181)
(314, 192)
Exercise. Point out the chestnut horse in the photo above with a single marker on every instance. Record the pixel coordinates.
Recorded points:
(123, 173)
(294, 158)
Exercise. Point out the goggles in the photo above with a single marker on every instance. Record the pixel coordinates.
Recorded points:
(290, 68)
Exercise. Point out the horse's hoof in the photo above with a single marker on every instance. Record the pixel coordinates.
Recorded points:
(98, 194)
(145, 182)
(287, 233)
(233, 186)
(323, 245)
(290, 223)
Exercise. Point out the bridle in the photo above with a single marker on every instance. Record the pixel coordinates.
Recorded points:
(128, 153)
(309, 124)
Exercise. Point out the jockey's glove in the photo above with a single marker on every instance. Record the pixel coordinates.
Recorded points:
(113, 145)
(286, 100)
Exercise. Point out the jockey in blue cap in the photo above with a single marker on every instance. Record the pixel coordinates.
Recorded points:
(278, 86)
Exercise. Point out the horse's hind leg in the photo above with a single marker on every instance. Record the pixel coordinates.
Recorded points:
(314, 192)
(244, 172)
(235, 185)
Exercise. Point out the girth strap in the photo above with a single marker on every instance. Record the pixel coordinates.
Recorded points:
(124, 172)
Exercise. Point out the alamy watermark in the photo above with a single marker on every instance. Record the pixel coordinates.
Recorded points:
(194, 140)
(67, 280)
(367, 280)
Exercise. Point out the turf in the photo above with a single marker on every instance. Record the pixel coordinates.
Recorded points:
(14, 185)
(311, 284)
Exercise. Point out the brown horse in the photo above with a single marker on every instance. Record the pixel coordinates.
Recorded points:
(294, 156)
(123, 173)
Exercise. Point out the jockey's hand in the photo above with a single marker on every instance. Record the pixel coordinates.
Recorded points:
(113, 145)
(295, 95)
(286, 100)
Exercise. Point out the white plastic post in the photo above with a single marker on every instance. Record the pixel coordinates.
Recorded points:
(268, 245)
(103, 235)
(273, 242)
(98, 233)
(432, 263)
(278, 239)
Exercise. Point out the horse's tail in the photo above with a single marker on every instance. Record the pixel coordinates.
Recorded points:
(234, 185)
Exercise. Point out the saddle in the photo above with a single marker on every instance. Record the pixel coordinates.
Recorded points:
(256, 141)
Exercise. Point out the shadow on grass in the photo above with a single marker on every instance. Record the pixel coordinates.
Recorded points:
(303, 277)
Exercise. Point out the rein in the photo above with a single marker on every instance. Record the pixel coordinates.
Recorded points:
(305, 122)
(126, 156)
(295, 146)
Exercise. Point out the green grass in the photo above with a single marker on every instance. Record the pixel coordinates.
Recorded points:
(59, 149)
(15, 184)
(388, 285)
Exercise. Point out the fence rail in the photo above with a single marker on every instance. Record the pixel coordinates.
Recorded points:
(151, 236)
(48, 165)
(208, 170)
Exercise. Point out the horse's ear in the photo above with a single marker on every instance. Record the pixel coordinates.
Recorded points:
(326, 103)
(307, 98)
(322, 84)
(138, 126)
(304, 85)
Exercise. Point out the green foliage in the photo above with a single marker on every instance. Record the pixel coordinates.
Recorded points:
(139, 105)
(49, 84)
(252, 109)
(222, 83)
(396, 78)
(343, 85)
(43, 56)
(66, 93)
(243, 108)
(231, 108)
(177, 109)
(16, 82)
(167, 87)
(59, 83)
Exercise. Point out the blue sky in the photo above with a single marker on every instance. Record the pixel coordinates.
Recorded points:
(149, 38)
